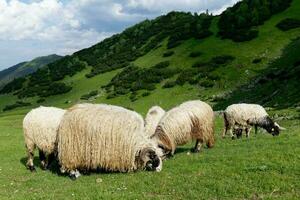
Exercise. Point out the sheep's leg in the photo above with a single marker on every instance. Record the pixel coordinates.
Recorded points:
(197, 147)
(43, 159)
(30, 153)
(248, 129)
(224, 132)
(231, 133)
(239, 132)
(74, 174)
(255, 129)
(50, 159)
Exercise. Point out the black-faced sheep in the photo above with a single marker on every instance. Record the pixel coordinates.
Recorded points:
(192, 120)
(40, 127)
(106, 137)
(152, 119)
(244, 116)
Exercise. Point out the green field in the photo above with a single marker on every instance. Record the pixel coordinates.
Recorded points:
(262, 167)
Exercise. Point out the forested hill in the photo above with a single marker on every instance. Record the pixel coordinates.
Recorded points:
(189, 55)
(25, 68)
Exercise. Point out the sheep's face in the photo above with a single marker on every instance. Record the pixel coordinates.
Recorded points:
(150, 160)
(274, 129)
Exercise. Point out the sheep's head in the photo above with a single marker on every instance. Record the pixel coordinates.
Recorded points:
(150, 160)
(272, 127)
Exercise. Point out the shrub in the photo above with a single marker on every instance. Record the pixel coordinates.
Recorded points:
(54, 89)
(146, 94)
(213, 77)
(110, 96)
(256, 60)
(185, 76)
(162, 64)
(16, 105)
(222, 60)
(14, 85)
(89, 95)
(40, 100)
(238, 22)
(169, 84)
(133, 97)
(288, 23)
(207, 83)
(199, 64)
(195, 54)
(168, 53)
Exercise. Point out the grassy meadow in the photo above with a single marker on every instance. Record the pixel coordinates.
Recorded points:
(262, 167)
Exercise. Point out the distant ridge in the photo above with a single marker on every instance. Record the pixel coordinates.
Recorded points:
(25, 68)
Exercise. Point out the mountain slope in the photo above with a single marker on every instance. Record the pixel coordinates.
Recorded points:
(209, 68)
(25, 68)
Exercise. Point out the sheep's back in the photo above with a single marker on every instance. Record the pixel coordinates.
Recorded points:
(41, 125)
(152, 119)
(100, 136)
(241, 113)
(184, 122)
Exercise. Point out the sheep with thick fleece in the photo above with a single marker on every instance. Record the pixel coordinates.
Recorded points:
(244, 116)
(188, 121)
(152, 119)
(40, 127)
(111, 138)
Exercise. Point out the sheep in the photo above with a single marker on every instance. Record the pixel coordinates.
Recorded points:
(190, 120)
(152, 119)
(40, 127)
(106, 137)
(244, 116)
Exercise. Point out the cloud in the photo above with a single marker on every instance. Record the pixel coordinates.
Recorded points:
(39, 27)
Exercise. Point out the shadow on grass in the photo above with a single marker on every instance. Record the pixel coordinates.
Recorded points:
(180, 150)
(53, 167)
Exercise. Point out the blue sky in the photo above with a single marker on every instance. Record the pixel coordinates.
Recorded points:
(32, 28)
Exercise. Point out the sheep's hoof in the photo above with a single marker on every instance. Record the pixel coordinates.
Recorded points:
(73, 177)
(195, 150)
(44, 167)
(32, 168)
(232, 137)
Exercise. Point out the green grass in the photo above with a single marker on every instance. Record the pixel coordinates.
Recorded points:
(268, 46)
(262, 167)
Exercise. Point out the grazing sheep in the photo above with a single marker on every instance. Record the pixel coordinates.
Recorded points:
(40, 127)
(106, 137)
(152, 119)
(190, 120)
(244, 116)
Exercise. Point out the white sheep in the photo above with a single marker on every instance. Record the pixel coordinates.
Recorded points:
(152, 119)
(40, 127)
(188, 121)
(106, 137)
(244, 116)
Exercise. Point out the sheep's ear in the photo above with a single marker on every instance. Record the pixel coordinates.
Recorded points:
(280, 128)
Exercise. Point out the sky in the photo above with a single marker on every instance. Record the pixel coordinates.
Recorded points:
(32, 28)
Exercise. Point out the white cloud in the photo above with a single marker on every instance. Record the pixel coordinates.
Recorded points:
(65, 26)
(214, 6)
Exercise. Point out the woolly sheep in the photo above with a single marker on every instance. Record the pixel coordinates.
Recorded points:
(106, 137)
(244, 116)
(190, 120)
(152, 119)
(40, 127)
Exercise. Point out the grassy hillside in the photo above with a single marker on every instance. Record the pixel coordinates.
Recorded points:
(209, 80)
(264, 69)
(25, 68)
